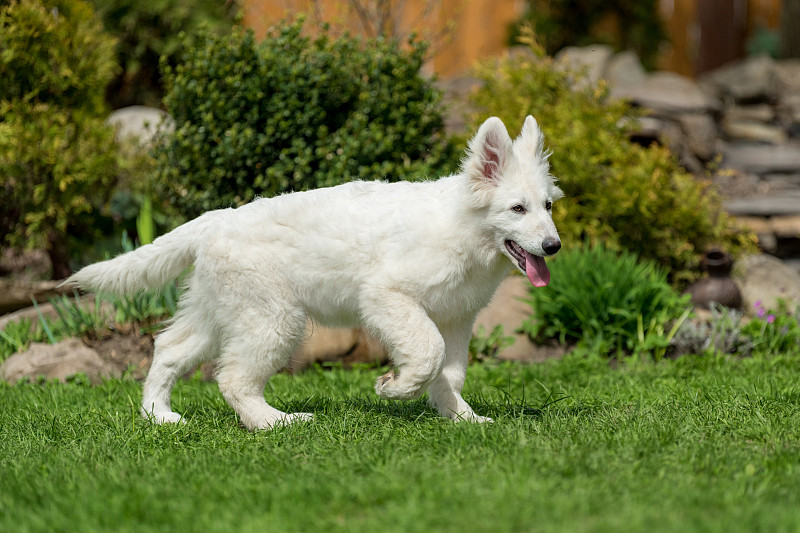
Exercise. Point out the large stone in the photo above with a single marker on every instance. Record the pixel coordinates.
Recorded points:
(18, 294)
(508, 309)
(787, 72)
(624, 70)
(762, 159)
(140, 123)
(749, 130)
(669, 93)
(346, 345)
(701, 134)
(751, 79)
(592, 60)
(57, 361)
(753, 113)
(766, 279)
(787, 203)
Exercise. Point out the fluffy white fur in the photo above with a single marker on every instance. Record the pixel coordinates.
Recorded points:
(411, 262)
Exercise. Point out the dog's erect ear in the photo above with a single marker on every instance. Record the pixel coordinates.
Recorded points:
(489, 151)
(531, 139)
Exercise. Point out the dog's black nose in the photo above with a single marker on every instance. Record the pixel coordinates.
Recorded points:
(551, 245)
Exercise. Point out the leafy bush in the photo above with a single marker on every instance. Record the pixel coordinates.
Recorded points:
(57, 169)
(607, 301)
(624, 24)
(631, 197)
(296, 113)
(147, 31)
(56, 55)
(58, 157)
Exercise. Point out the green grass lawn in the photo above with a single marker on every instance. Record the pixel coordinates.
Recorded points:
(697, 444)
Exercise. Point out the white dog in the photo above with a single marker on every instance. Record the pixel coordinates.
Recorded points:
(411, 262)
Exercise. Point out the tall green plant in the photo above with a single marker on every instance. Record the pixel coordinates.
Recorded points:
(625, 195)
(294, 113)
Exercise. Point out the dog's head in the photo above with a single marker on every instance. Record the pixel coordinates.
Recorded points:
(511, 181)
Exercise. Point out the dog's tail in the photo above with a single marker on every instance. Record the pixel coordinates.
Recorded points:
(147, 267)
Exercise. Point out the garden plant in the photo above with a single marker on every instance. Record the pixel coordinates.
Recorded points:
(58, 156)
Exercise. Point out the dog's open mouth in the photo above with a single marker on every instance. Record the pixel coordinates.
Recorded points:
(533, 265)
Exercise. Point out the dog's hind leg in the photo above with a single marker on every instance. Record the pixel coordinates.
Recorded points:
(177, 350)
(415, 345)
(445, 392)
(258, 347)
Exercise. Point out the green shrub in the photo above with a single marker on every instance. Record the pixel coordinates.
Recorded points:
(147, 31)
(607, 301)
(57, 169)
(58, 157)
(54, 53)
(628, 196)
(296, 113)
(624, 24)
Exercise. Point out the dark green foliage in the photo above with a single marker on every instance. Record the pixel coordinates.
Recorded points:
(607, 301)
(147, 31)
(625, 195)
(295, 113)
(54, 53)
(624, 24)
(58, 158)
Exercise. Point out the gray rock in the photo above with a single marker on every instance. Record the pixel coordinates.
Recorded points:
(139, 123)
(766, 278)
(669, 93)
(786, 203)
(57, 361)
(701, 134)
(748, 130)
(592, 59)
(762, 159)
(647, 128)
(624, 70)
(750, 79)
(787, 72)
(754, 113)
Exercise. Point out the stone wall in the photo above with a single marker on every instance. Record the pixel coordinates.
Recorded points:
(739, 124)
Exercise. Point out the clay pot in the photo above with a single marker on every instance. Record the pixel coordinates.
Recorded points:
(717, 285)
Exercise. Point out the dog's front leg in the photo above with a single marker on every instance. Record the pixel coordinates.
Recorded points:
(445, 391)
(415, 345)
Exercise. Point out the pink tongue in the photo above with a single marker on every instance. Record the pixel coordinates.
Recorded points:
(536, 270)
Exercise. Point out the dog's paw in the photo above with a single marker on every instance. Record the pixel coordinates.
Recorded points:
(284, 420)
(166, 417)
(391, 387)
(470, 417)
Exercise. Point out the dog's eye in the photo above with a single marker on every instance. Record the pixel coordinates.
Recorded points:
(548, 205)
(518, 209)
